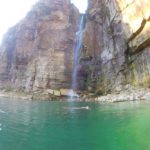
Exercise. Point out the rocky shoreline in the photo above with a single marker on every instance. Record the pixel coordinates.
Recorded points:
(121, 97)
(127, 94)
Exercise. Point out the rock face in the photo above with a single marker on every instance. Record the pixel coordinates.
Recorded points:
(116, 48)
(38, 52)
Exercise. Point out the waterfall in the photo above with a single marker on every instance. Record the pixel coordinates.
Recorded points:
(77, 52)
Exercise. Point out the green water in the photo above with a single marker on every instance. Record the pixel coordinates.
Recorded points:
(45, 125)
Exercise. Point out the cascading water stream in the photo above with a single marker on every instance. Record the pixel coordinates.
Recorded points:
(82, 6)
(77, 52)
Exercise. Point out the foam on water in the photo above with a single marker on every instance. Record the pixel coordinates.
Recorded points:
(1, 111)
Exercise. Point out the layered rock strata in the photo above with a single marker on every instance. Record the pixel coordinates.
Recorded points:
(37, 53)
(116, 48)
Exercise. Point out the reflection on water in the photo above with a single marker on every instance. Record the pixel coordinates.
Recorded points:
(28, 125)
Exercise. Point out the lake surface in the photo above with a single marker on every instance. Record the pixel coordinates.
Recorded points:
(43, 125)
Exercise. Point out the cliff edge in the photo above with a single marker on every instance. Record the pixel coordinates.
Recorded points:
(37, 53)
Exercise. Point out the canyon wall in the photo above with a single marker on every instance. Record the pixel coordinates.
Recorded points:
(116, 47)
(38, 52)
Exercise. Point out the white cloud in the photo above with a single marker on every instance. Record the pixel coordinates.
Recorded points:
(81, 5)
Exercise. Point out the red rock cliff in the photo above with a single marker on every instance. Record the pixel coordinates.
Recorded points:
(38, 52)
(117, 44)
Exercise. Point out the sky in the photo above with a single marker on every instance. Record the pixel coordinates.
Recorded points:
(81, 5)
(12, 11)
